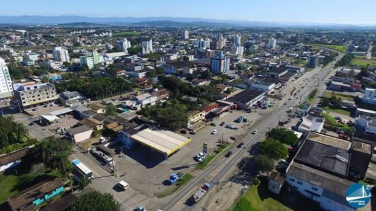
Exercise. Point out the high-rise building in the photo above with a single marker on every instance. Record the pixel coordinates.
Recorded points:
(109, 46)
(272, 43)
(313, 61)
(61, 54)
(124, 45)
(220, 63)
(237, 40)
(238, 50)
(33, 94)
(95, 57)
(185, 34)
(217, 45)
(203, 44)
(218, 36)
(86, 60)
(147, 47)
(5, 80)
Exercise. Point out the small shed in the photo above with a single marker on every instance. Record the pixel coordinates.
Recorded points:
(276, 181)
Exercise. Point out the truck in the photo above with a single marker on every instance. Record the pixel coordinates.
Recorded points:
(200, 193)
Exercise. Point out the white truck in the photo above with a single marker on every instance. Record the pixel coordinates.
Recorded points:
(200, 193)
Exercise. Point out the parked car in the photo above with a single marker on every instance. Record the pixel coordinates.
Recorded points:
(173, 178)
(192, 132)
(214, 132)
(240, 145)
(222, 123)
(140, 209)
(228, 154)
(254, 132)
(200, 157)
(123, 185)
(213, 124)
(183, 132)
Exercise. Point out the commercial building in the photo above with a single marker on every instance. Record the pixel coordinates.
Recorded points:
(185, 35)
(277, 72)
(311, 123)
(124, 45)
(29, 198)
(5, 80)
(220, 63)
(195, 117)
(80, 133)
(313, 61)
(163, 141)
(262, 85)
(272, 43)
(324, 168)
(369, 96)
(71, 98)
(147, 47)
(246, 98)
(32, 94)
(61, 54)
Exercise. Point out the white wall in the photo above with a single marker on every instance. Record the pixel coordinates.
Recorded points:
(82, 136)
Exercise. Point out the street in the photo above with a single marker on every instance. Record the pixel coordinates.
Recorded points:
(225, 166)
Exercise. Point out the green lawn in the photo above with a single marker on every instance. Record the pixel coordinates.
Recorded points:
(337, 110)
(360, 57)
(363, 62)
(331, 121)
(11, 183)
(210, 157)
(126, 34)
(340, 48)
(329, 94)
(184, 180)
(259, 198)
(311, 97)
(37, 47)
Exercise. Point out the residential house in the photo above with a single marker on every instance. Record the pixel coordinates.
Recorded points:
(71, 98)
(311, 123)
(161, 94)
(30, 198)
(366, 123)
(194, 117)
(369, 96)
(144, 100)
(97, 108)
(275, 182)
(92, 123)
(178, 68)
(80, 133)
(141, 82)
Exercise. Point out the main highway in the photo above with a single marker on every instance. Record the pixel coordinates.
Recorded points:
(222, 167)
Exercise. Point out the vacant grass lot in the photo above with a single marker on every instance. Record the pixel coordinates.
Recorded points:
(126, 34)
(340, 48)
(330, 120)
(329, 94)
(337, 110)
(311, 97)
(363, 62)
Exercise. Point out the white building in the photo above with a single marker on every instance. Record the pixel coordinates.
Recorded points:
(147, 47)
(5, 80)
(368, 123)
(320, 169)
(237, 40)
(238, 50)
(185, 35)
(31, 94)
(369, 96)
(61, 54)
(86, 60)
(220, 63)
(202, 45)
(263, 85)
(272, 43)
(311, 123)
(124, 45)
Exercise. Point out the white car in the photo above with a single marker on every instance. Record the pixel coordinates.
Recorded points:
(123, 185)
(254, 132)
(214, 131)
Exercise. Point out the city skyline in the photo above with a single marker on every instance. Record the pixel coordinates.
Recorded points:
(293, 11)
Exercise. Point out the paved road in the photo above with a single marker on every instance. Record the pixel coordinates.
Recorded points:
(106, 183)
(224, 166)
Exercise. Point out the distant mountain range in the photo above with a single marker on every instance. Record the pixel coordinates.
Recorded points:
(158, 21)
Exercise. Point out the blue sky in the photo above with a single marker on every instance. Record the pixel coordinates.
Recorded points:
(313, 11)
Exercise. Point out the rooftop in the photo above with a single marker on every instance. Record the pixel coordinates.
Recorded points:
(68, 95)
(34, 192)
(245, 96)
(329, 140)
(11, 157)
(79, 129)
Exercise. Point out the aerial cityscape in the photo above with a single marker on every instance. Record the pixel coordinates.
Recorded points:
(187, 106)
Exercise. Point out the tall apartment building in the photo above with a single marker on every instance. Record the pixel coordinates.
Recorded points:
(147, 47)
(30, 94)
(219, 63)
(217, 45)
(272, 43)
(313, 61)
(369, 96)
(5, 80)
(185, 34)
(61, 54)
(124, 45)
(238, 50)
(237, 40)
(91, 61)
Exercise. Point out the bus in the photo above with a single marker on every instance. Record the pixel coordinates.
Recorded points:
(82, 169)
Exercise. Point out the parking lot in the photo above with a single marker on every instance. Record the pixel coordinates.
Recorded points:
(147, 171)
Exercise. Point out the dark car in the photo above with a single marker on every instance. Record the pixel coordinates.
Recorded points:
(223, 123)
(183, 132)
(228, 154)
(240, 145)
(192, 132)
(31, 123)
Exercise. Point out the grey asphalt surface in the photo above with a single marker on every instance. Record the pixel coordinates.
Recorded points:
(227, 165)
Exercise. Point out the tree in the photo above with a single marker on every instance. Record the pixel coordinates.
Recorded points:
(190, 77)
(111, 110)
(84, 182)
(283, 135)
(273, 149)
(112, 70)
(171, 83)
(11, 132)
(151, 74)
(95, 201)
(159, 70)
(53, 153)
(364, 73)
(264, 163)
(206, 74)
(67, 64)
